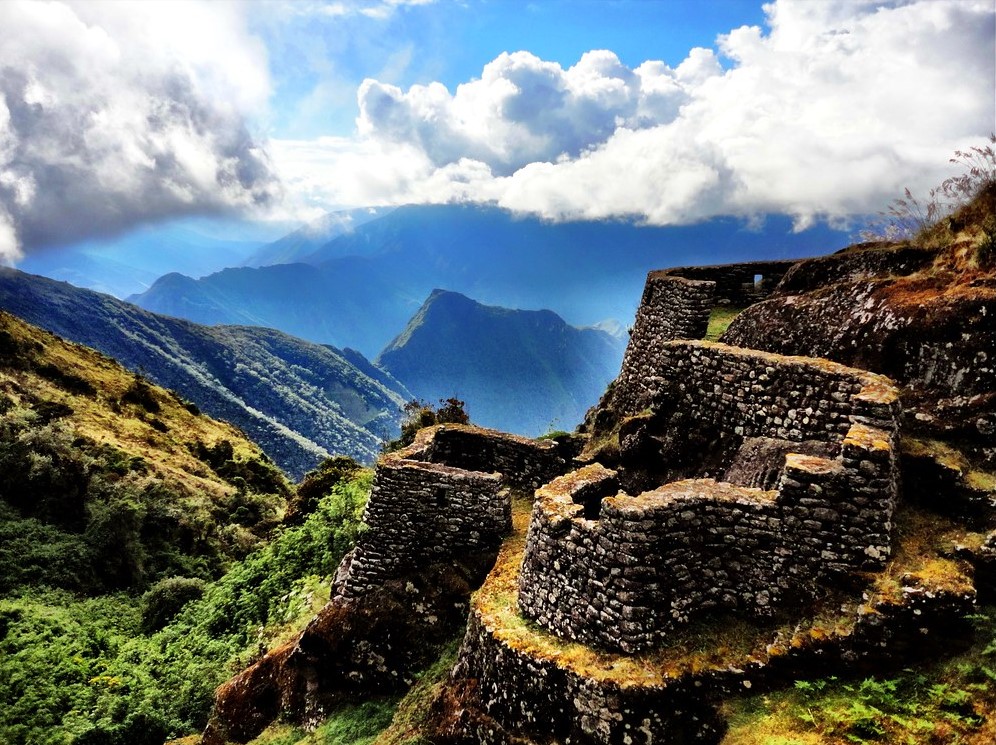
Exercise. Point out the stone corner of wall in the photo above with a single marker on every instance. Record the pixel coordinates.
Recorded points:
(867, 438)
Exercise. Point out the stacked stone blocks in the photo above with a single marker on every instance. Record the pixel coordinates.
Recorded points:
(735, 283)
(623, 574)
(671, 308)
(444, 497)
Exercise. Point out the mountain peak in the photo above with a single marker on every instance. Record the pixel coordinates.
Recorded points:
(524, 371)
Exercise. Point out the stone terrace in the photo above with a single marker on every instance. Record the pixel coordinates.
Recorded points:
(620, 571)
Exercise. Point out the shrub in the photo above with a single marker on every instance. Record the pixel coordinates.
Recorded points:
(421, 414)
(257, 475)
(166, 598)
(80, 670)
(141, 394)
(318, 483)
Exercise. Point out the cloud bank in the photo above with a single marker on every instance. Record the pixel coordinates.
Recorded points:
(828, 112)
(114, 114)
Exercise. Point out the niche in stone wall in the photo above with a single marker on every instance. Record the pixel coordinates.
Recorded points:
(759, 461)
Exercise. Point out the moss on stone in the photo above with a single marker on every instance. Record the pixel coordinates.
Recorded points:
(724, 643)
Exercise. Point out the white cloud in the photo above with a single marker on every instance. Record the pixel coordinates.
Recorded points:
(376, 9)
(829, 111)
(523, 109)
(112, 114)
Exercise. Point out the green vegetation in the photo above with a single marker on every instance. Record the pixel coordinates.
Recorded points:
(142, 556)
(98, 491)
(421, 414)
(300, 401)
(414, 710)
(81, 669)
(351, 724)
(719, 320)
(948, 702)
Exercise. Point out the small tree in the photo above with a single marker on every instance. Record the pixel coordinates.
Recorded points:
(420, 414)
(166, 598)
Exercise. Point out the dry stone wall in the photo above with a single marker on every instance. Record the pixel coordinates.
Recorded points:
(672, 307)
(444, 497)
(538, 695)
(621, 571)
(739, 285)
(523, 463)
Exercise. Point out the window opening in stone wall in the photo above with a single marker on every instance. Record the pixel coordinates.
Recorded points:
(758, 281)
(442, 498)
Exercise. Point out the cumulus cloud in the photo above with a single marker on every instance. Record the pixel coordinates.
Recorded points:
(523, 109)
(828, 111)
(114, 114)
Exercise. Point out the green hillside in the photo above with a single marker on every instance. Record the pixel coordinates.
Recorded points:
(300, 401)
(109, 482)
(521, 371)
(143, 557)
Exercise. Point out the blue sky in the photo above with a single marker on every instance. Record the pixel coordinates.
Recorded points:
(317, 64)
(117, 115)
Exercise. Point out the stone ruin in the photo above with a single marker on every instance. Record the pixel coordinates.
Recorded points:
(806, 491)
(738, 285)
(741, 481)
(443, 497)
(769, 474)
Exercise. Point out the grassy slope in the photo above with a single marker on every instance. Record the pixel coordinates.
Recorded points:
(108, 482)
(81, 663)
(101, 418)
(300, 401)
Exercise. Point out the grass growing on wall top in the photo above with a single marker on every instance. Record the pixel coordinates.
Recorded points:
(719, 320)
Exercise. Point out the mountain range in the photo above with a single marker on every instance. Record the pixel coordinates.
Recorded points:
(300, 401)
(527, 372)
(131, 263)
(357, 289)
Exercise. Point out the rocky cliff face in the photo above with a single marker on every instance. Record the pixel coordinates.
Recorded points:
(926, 317)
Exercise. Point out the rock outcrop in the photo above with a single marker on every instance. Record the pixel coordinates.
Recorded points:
(924, 317)
(434, 522)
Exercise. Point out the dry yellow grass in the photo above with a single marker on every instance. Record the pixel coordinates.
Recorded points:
(126, 427)
(727, 642)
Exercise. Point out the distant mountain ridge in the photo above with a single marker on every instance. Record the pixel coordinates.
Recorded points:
(131, 263)
(522, 371)
(300, 401)
(359, 288)
(297, 247)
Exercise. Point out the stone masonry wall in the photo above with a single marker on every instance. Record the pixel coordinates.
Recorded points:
(522, 462)
(620, 572)
(735, 283)
(671, 308)
(758, 394)
(532, 695)
(433, 501)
